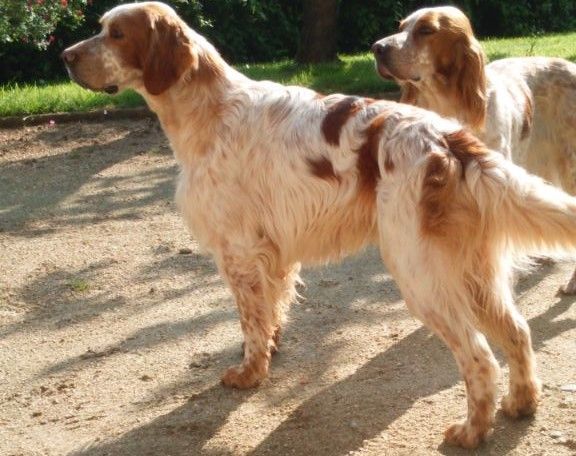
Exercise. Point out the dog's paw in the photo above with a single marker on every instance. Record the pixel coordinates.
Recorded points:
(241, 377)
(465, 435)
(523, 402)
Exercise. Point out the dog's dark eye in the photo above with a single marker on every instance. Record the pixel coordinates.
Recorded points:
(425, 31)
(116, 34)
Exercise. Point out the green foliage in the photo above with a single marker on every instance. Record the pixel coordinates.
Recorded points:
(248, 30)
(362, 23)
(243, 30)
(524, 17)
(33, 21)
(352, 74)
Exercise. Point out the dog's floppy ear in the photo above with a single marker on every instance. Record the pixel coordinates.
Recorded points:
(170, 53)
(471, 81)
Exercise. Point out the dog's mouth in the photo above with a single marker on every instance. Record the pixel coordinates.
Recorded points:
(385, 73)
(111, 89)
(77, 80)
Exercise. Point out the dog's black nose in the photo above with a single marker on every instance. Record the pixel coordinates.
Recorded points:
(68, 56)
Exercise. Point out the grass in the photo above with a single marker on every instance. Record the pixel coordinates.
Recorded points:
(18, 99)
(352, 74)
(557, 45)
(78, 285)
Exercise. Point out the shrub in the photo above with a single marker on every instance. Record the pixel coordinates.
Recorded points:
(247, 30)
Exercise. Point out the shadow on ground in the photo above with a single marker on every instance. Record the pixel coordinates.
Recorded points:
(419, 365)
(32, 189)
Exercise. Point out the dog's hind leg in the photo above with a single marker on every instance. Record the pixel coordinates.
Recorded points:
(262, 291)
(441, 300)
(436, 292)
(479, 369)
(502, 323)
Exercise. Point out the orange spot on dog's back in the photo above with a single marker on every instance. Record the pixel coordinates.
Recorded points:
(337, 116)
(465, 147)
(323, 168)
(367, 164)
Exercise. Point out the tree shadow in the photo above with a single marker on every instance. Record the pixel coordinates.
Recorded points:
(325, 307)
(321, 424)
(184, 431)
(33, 190)
(414, 368)
(58, 288)
(148, 337)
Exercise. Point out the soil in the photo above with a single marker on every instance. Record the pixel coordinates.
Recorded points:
(115, 329)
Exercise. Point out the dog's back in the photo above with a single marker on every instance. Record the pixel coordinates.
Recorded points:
(542, 99)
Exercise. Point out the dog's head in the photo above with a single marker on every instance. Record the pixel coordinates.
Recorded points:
(434, 47)
(144, 46)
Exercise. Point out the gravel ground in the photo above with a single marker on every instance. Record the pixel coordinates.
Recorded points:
(114, 329)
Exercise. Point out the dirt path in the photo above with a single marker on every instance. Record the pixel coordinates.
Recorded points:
(113, 335)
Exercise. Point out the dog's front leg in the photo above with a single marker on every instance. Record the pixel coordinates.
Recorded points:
(262, 291)
(257, 345)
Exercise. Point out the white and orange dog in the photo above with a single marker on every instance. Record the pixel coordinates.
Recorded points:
(522, 107)
(273, 176)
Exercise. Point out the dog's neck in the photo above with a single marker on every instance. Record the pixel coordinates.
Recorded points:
(190, 111)
(441, 96)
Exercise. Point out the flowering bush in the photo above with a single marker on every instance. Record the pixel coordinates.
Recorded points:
(33, 21)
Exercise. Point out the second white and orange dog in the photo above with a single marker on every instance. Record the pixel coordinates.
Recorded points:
(274, 176)
(523, 107)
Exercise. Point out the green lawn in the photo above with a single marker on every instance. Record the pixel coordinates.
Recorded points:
(353, 74)
(20, 99)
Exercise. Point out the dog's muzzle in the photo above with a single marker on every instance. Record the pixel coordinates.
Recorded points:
(382, 56)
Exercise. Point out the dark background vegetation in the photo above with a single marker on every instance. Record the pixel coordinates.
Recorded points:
(265, 30)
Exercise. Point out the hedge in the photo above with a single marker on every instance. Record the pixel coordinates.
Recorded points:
(267, 30)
